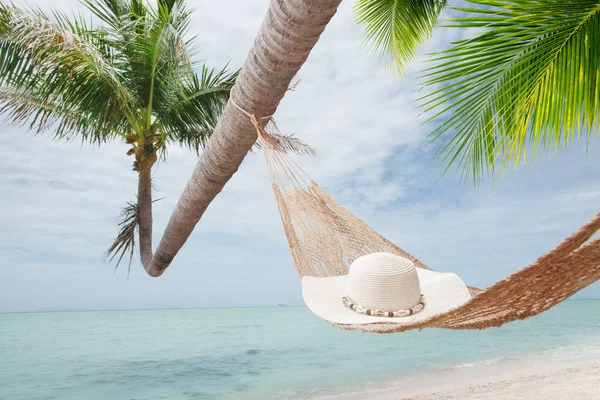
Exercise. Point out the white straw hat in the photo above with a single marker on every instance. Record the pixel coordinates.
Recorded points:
(383, 287)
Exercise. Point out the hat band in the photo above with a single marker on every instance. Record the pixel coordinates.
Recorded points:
(383, 313)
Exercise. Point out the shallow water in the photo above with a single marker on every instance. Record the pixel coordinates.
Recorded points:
(252, 353)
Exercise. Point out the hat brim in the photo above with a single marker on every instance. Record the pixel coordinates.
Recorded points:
(443, 292)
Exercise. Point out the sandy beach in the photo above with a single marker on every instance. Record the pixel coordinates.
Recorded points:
(577, 380)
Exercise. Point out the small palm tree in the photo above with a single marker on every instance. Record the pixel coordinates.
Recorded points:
(130, 78)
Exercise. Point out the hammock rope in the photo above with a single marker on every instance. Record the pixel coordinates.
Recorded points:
(324, 239)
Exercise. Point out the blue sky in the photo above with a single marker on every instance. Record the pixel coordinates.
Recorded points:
(60, 200)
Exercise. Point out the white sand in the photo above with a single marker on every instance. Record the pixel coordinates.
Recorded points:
(538, 378)
(578, 380)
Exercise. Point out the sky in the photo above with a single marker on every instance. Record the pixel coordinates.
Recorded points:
(59, 201)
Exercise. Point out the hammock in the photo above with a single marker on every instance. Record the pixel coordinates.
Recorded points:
(325, 238)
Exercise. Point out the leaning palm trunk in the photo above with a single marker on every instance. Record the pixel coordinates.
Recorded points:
(289, 32)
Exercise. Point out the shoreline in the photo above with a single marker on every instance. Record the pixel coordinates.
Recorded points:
(535, 377)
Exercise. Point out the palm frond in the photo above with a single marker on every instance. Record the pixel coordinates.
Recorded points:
(168, 4)
(124, 243)
(50, 47)
(530, 80)
(111, 12)
(396, 28)
(138, 9)
(40, 116)
(98, 36)
(191, 113)
(59, 68)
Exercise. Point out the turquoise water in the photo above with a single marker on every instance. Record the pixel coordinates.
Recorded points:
(251, 353)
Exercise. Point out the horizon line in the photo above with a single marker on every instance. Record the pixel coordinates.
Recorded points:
(66, 310)
(147, 309)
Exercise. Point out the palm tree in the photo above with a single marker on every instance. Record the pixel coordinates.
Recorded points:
(131, 78)
(528, 81)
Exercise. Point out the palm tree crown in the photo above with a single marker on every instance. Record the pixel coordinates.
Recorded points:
(133, 75)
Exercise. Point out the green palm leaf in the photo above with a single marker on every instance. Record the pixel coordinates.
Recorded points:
(128, 73)
(64, 72)
(112, 12)
(39, 115)
(529, 81)
(396, 28)
(193, 111)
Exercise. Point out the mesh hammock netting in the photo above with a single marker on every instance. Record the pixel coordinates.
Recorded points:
(325, 238)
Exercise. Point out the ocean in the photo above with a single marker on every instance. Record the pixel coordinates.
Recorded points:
(255, 353)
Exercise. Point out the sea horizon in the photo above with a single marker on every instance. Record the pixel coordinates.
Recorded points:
(58, 310)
